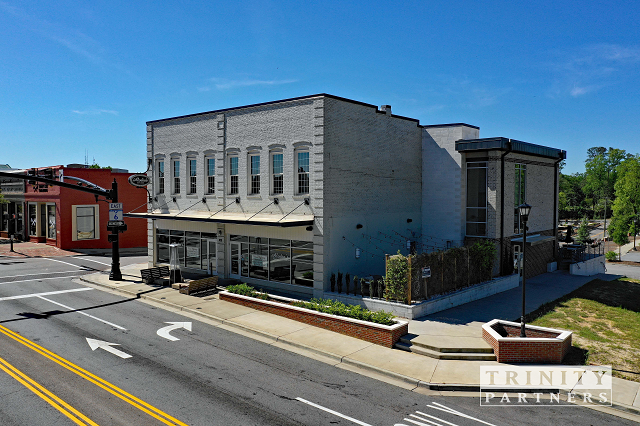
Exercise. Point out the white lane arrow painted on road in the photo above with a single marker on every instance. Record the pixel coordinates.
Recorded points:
(164, 331)
(95, 344)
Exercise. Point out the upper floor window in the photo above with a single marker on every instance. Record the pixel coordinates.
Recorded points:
(520, 186)
(476, 199)
(302, 174)
(233, 175)
(254, 166)
(211, 173)
(176, 176)
(193, 176)
(160, 177)
(277, 173)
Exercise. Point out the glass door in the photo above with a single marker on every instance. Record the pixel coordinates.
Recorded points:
(211, 265)
(235, 258)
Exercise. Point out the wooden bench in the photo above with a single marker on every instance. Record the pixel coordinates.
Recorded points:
(152, 274)
(199, 285)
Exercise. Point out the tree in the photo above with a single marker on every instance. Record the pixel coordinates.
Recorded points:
(601, 175)
(572, 201)
(583, 231)
(626, 208)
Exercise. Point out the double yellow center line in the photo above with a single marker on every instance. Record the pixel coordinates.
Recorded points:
(62, 406)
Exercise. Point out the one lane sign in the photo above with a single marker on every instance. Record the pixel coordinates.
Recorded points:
(115, 211)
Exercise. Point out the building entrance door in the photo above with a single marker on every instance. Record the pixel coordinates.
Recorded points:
(211, 262)
(239, 258)
(517, 260)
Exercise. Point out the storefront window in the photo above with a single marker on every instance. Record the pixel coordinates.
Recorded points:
(258, 259)
(51, 221)
(192, 247)
(4, 212)
(274, 259)
(19, 219)
(33, 219)
(85, 223)
(162, 245)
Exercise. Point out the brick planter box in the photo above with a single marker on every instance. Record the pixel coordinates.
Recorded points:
(542, 345)
(384, 335)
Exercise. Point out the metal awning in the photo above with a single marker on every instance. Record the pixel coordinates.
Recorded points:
(265, 219)
(534, 239)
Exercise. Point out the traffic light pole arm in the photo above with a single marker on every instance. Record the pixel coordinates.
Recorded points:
(105, 193)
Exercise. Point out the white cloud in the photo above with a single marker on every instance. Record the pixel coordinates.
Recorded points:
(72, 39)
(95, 112)
(592, 67)
(226, 84)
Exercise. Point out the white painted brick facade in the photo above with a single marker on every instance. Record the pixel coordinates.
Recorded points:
(376, 180)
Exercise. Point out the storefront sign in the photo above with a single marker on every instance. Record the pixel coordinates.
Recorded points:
(139, 180)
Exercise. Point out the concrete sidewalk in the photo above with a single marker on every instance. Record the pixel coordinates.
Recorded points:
(408, 370)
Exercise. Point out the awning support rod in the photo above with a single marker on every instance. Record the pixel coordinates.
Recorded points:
(306, 201)
(199, 201)
(233, 202)
(273, 202)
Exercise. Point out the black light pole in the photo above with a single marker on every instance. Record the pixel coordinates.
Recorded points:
(115, 274)
(524, 210)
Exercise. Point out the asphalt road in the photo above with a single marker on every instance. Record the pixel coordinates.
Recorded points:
(50, 375)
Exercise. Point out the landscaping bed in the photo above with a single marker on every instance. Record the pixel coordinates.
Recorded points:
(381, 334)
(604, 317)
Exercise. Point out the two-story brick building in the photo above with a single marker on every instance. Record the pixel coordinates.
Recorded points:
(282, 194)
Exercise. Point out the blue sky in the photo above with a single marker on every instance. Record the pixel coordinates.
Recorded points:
(85, 76)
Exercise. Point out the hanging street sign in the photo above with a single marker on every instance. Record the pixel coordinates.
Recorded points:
(139, 180)
(115, 211)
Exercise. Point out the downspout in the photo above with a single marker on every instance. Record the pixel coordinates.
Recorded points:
(555, 207)
(502, 206)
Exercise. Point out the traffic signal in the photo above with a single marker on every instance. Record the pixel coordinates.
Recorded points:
(31, 172)
(47, 173)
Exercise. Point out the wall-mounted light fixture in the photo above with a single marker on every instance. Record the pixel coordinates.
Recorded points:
(237, 200)
(204, 200)
(409, 220)
(306, 202)
(175, 200)
(276, 201)
(359, 226)
(357, 253)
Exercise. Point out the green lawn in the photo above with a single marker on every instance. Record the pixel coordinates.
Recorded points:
(605, 319)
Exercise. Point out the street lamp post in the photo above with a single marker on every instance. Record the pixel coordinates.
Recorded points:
(524, 210)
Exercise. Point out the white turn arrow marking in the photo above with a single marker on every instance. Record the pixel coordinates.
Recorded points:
(164, 331)
(95, 344)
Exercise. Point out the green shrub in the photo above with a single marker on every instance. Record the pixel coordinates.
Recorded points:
(334, 307)
(396, 282)
(611, 256)
(243, 289)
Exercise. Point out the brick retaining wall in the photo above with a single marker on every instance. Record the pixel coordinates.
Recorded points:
(375, 333)
(546, 346)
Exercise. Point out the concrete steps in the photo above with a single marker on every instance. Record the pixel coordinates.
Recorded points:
(447, 347)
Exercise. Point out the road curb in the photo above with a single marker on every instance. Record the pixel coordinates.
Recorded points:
(416, 383)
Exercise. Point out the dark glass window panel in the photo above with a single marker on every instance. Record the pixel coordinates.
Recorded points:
(280, 264)
(244, 259)
(477, 187)
(279, 242)
(476, 229)
(163, 253)
(259, 261)
(192, 252)
(476, 215)
(302, 244)
(302, 266)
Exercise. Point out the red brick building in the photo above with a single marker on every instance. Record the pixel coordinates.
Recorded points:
(71, 219)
